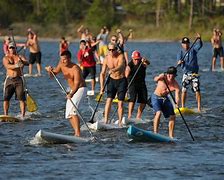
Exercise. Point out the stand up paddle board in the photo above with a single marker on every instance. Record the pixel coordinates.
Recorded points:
(7, 118)
(101, 126)
(89, 80)
(137, 134)
(186, 111)
(54, 138)
(114, 100)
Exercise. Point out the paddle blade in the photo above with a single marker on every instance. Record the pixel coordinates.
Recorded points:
(98, 97)
(31, 104)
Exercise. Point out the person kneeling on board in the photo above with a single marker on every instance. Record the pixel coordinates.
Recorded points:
(166, 83)
(135, 73)
(76, 82)
(14, 82)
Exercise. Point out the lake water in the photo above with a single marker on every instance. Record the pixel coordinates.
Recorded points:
(116, 158)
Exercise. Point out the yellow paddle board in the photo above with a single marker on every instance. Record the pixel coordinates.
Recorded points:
(7, 118)
(185, 110)
(114, 100)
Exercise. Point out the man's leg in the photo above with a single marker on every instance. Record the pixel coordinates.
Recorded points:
(107, 110)
(156, 121)
(140, 110)
(75, 122)
(130, 109)
(198, 99)
(93, 83)
(222, 63)
(30, 69)
(22, 107)
(39, 68)
(183, 98)
(6, 107)
(120, 112)
(171, 126)
(213, 63)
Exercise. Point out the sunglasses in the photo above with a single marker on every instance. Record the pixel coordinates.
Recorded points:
(113, 39)
(111, 49)
(11, 47)
(137, 59)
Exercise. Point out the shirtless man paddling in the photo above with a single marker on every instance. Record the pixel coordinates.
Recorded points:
(73, 74)
(160, 101)
(117, 83)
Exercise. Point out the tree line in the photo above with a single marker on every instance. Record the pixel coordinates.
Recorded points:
(110, 13)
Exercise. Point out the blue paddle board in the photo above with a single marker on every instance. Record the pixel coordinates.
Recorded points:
(141, 135)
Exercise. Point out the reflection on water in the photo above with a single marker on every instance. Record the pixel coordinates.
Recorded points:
(115, 157)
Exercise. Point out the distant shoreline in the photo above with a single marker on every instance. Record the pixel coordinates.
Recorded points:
(22, 38)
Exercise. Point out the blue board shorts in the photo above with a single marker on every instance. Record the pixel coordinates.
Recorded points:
(162, 104)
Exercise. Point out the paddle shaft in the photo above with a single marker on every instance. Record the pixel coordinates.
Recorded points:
(182, 59)
(129, 84)
(98, 102)
(179, 110)
(79, 114)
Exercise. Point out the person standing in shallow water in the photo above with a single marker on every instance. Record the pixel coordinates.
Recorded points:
(160, 101)
(35, 54)
(216, 41)
(189, 65)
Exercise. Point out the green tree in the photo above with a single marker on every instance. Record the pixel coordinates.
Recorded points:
(101, 13)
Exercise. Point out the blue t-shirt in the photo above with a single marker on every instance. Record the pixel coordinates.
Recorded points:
(190, 64)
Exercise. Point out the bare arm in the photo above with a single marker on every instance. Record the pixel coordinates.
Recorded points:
(159, 77)
(127, 71)
(76, 80)
(103, 74)
(177, 94)
(7, 65)
(55, 70)
(120, 65)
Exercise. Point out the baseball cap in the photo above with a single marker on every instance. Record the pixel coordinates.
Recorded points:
(185, 40)
(136, 55)
(11, 44)
(172, 70)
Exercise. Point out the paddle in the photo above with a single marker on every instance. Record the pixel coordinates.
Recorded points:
(79, 114)
(182, 59)
(129, 84)
(31, 104)
(98, 102)
(179, 110)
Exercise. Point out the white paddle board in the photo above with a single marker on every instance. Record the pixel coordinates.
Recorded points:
(89, 80)
(55, 138)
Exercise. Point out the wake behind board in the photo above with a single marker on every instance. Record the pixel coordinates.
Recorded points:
(54, 138)
(186, 111)
(32, 75)
(7, 118)
(141, 135)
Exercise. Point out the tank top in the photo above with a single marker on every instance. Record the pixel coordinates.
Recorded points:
(140, 76)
